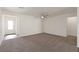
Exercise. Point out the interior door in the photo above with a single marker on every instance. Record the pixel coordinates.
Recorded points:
(72, 26)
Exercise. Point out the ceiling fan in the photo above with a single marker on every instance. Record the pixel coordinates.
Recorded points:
(44, 17)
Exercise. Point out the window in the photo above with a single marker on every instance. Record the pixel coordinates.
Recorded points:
(10, 25)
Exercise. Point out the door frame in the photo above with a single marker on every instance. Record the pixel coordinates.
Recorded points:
(3, 26)
(67, 23)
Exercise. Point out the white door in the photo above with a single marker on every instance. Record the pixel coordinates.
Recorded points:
(72, 26)
(10, 24)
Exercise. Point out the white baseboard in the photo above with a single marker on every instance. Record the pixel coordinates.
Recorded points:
(21, 35)
(56, 34)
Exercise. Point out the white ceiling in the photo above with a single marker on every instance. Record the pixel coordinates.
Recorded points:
(37, 11)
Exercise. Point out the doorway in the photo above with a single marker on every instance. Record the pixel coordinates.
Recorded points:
(72, 30)
(9, 26)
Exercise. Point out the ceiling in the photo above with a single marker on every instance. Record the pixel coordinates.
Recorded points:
(37, 11)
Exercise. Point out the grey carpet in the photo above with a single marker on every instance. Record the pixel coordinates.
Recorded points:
(38, 43)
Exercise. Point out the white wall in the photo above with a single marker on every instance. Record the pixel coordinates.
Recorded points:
(29, 25)
(72, 26)
(1, 26)
(78, 27)
(0, 22)
(57, 25)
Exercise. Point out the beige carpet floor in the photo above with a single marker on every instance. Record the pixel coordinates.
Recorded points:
(39, 43)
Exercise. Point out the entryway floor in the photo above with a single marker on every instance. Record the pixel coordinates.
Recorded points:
(9, 37)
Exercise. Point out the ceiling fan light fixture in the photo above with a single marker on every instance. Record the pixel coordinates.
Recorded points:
(42, 17)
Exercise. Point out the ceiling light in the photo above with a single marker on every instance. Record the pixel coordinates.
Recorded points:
(42, 17)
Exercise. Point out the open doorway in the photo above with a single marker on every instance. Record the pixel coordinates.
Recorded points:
(72, 30)
(9, 28)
